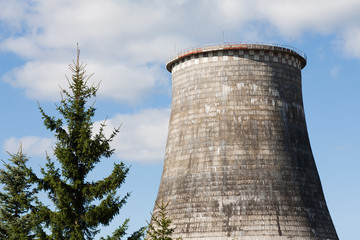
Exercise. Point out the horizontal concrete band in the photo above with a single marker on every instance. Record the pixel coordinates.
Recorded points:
(252, 51)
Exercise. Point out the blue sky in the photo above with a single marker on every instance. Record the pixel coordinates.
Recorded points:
(126, 43)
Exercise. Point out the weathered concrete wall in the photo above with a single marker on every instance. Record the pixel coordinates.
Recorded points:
(238, 161)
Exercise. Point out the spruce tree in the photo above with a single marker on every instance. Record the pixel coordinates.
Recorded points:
(18, 201)
(160, 226)
(81, 205)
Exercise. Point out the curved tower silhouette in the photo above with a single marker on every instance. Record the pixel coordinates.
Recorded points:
(238, 162)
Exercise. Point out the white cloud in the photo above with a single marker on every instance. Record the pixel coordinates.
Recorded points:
(142, 136)
(127, 42)
(291, 16)
(127, 83)
(31, 145)
(12, 12)
(351, 41)
(41, 80)
(298, 16)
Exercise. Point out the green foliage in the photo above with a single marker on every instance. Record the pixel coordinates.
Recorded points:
(18, 202)
(121, 232)
(160, 226)
(80, 205)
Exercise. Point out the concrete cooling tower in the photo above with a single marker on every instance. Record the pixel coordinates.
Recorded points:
(238, 162)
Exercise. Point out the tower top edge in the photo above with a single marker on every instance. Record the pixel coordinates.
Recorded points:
(236, 46)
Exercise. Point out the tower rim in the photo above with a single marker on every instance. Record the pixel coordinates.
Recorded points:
(236, 46)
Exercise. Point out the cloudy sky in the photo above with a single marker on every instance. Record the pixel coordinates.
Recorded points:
(126, 43)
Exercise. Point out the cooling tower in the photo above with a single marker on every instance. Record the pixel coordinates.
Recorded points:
(238, 162)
